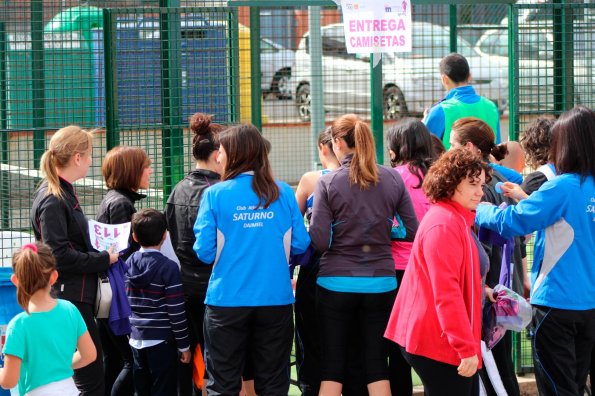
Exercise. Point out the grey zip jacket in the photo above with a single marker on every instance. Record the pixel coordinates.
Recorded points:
(351, 227)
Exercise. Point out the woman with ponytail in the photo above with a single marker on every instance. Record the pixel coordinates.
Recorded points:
(58, 221)
(247, 226)
(40, 342)
(351, 226)
(181, 210)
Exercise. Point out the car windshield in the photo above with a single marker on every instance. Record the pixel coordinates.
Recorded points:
(432, 41)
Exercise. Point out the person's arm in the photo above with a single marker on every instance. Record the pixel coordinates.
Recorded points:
(533, 181)
(174, 303)
(514, 191)
(303, 191)
(205, 230)
(53, 227)
(14, 351)
(435, 120)
(86, 353)
(10, 373)
(120, 211)
(446, 251)
(405, 209)
(300, 240)
(322, 218)
(540, 210)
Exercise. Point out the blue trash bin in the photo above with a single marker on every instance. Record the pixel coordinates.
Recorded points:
(8, 309)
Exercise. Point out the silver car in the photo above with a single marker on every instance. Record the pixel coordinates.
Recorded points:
(275, 65)
(411, 81)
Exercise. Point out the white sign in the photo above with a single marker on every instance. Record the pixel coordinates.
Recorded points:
(103, 236)
(376, 26)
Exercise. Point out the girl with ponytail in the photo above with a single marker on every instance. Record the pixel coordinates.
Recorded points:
(58, 221)
(40, 343)
(351, 226)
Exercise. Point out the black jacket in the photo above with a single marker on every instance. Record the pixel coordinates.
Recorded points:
(495, 252)
(61, 224)
(117, 207)
(181, 211)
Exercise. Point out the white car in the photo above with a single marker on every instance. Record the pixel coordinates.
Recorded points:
(535, 69)
(411, 81)
(275, 65)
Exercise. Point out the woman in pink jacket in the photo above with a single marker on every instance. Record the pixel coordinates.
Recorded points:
(436, 319)
(409, 145)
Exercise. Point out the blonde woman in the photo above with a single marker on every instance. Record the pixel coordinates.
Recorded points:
(58, 221)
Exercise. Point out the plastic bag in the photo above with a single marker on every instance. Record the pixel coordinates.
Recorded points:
(491, 332)
(512, 311)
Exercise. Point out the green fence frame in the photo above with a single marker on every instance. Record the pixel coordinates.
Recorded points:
(171, 125)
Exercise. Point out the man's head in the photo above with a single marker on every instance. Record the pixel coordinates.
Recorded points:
(454, 71)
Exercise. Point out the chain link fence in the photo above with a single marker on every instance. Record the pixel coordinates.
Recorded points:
(135, 70)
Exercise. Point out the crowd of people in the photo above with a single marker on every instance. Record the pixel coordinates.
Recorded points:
(395, 265)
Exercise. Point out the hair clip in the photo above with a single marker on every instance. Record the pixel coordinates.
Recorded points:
(31, 246)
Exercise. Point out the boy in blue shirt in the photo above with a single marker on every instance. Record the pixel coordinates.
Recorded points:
(158, 320)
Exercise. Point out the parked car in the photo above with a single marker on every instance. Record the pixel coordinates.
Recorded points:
(275, 60)
(275, 65)
(536, 66)
(411, 81)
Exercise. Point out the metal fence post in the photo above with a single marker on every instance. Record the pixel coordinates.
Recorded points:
(316, 98)
(4, 184)
(513, 73)
(563, 56)
(111, 79)
(377, 103)
(171, 95)
(452, 23)
(234, 75)
(37, 80)
(256, 90)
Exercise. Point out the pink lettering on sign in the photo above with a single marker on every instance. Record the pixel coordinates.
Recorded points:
(376, 25)
(377, 41)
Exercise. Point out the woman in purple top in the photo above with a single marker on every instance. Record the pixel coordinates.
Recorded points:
(410, 148)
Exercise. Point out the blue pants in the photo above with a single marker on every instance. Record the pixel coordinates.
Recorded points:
(155, 370)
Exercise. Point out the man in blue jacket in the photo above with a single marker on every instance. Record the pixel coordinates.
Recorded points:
(461, 101)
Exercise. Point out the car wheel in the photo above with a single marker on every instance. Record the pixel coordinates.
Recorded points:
(280, 84)
(395, 106)
(302, 100)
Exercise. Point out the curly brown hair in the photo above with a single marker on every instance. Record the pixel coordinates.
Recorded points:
(536, 141)
(450, 169)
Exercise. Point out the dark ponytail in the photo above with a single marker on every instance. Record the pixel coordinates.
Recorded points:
(499, 151)
(206, 136)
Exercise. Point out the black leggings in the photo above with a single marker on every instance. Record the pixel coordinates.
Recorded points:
(441, 378)
(399, 370)
(90, 379)
(367, 314)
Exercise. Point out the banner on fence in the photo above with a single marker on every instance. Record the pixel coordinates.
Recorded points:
(376, 26)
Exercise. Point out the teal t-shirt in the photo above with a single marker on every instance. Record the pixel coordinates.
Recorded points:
(45, 343)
